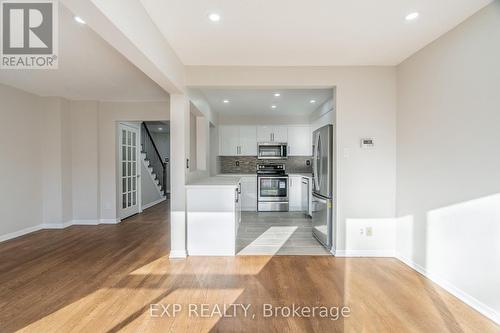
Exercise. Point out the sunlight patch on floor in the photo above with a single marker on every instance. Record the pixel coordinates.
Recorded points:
(129, 310)
(270, 242)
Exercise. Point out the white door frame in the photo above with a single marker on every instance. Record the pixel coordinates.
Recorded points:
(134, 128)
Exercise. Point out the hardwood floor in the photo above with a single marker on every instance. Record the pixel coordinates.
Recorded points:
(105, 278)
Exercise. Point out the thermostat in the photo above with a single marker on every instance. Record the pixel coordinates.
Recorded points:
(367, 143)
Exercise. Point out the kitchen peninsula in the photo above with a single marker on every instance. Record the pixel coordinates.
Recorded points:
(213, 216)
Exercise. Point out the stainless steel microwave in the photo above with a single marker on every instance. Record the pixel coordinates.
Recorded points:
(272, 151)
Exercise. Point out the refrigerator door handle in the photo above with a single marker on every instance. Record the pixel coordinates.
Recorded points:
(315, 161)
(320, 199)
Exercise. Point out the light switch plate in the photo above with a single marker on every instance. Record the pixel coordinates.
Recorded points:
(367, 143)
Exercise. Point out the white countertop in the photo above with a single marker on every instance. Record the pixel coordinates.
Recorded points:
(218, 181)
(307, 175)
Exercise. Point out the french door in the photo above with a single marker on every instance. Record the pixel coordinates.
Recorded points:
(129, 170)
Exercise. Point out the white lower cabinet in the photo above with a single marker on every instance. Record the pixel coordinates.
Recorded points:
(295, 193)
(249, 193)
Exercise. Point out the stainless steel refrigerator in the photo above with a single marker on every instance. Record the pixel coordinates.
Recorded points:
(323, 172)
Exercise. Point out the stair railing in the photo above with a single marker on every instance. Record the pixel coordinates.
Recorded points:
(153, 156)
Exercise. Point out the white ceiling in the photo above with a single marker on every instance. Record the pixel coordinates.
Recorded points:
(89, 69)
(291, 102)
(158, 126)
(304, 32)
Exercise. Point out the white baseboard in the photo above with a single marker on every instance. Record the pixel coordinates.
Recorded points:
(151, 204)
(20, 233)
(455, 291)
(57, 225)
(211, 253)
(109, 221)
(53, 226)
(85, 222)
(364, 253)
(177, 254)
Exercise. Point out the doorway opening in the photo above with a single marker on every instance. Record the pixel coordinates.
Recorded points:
(143, 165)
(281, 142)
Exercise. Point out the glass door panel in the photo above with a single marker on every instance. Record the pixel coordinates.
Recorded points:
(129, 170)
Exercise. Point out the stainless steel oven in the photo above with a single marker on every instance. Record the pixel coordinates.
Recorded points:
(272, 150)
(272, 188)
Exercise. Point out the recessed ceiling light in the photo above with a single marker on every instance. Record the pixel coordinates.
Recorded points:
(312, 101)
(277, 95)
(80, 20)
(225, 101)
(412, 16)
(273, 106)
(214, 17)
(160, 128)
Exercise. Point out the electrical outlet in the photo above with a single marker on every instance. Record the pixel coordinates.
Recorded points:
(369, 231)
(361, 231)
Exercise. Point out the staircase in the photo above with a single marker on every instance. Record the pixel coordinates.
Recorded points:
(152, 160)
(153, 174)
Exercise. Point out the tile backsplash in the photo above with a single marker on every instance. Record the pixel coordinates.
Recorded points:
(248, 164)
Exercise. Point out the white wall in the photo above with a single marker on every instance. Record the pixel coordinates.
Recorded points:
(214, 150)
(61, 159)
(448, 160)
(162, 142)
(21, 202)
(56, 164)
(366, 107)
(37, 146)
(325, 114)
(85, 161)
(192, 143)
(110, 113)
(199, 143)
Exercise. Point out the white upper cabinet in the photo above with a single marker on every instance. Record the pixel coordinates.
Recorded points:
(237, 140)
(272, 134)
(264, 134)
(299, 141)
(229, 139)
(248, 140)
(280, 134)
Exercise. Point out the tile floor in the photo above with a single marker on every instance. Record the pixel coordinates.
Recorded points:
(287, 233)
